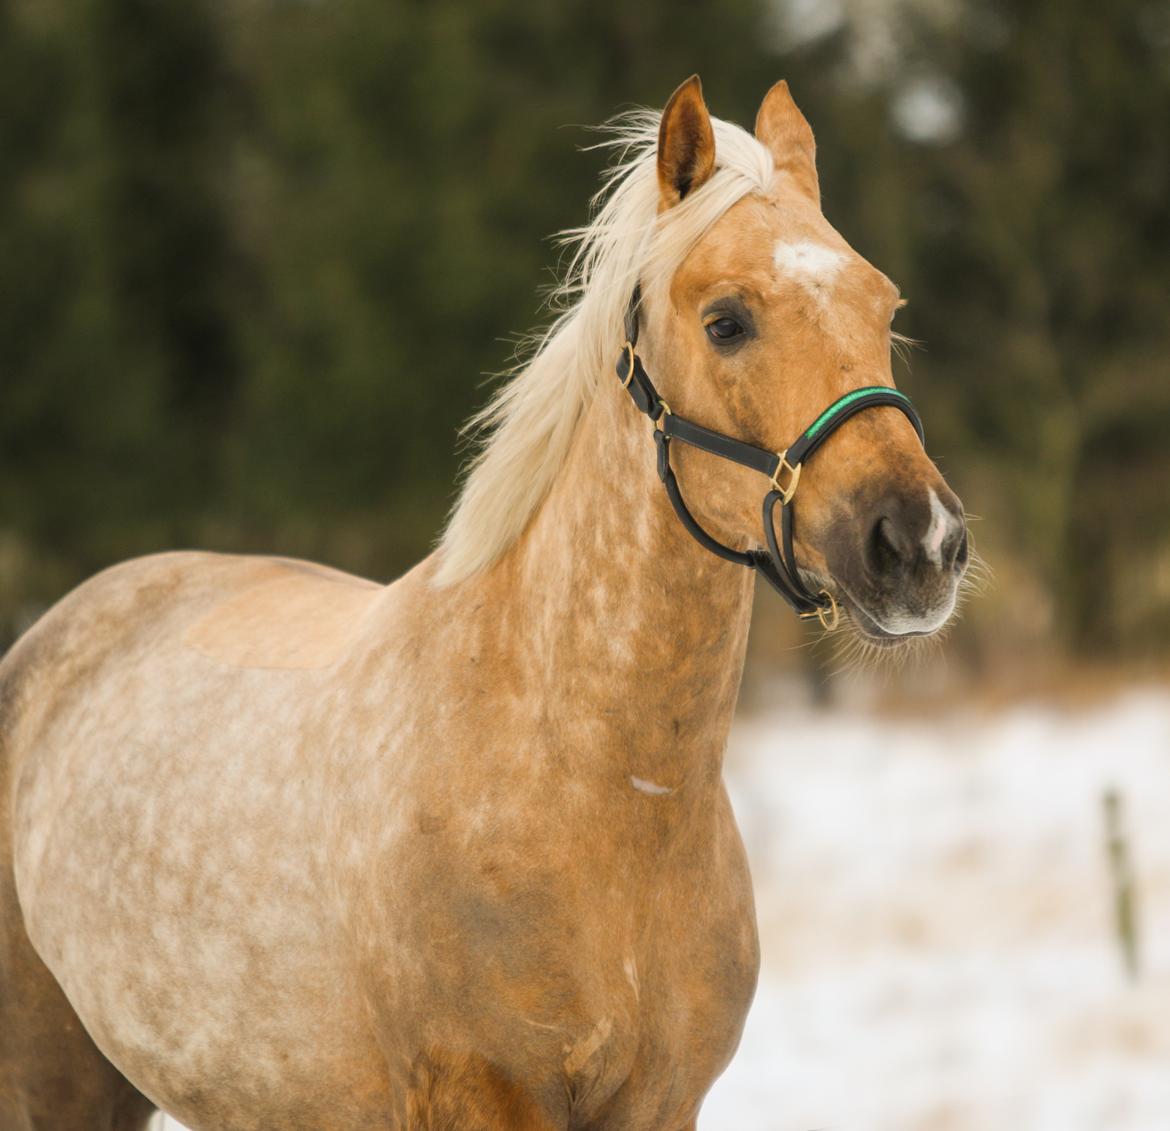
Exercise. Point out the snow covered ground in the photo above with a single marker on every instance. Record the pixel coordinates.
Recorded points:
(936, 914)
(936, 918)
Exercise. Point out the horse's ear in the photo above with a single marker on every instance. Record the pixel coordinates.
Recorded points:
(784, 130)
(686, 144)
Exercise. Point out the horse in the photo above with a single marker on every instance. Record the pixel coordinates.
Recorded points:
(286, 848)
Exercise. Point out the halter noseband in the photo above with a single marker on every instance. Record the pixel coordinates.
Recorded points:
(777, 564)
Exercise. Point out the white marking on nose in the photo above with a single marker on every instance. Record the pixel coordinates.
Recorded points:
(813, 265)
(942, 522)
(649, 787)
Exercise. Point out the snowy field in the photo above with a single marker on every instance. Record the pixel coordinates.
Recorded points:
(937, 924)
(939, 951)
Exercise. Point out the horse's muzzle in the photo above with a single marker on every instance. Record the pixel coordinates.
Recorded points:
(899, 561)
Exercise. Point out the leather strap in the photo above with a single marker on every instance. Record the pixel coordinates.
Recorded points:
(842, 409)
(631, 316)
(674, 494)
(777, 564)
(717, 444)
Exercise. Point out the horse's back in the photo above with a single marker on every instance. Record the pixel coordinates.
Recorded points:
(156, 727)
(236, 611)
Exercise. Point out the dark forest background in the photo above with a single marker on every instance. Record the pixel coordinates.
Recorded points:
(256, 257)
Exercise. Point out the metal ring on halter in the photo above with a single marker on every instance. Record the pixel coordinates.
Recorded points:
(828, 615)
(660, 423)
(785, 493)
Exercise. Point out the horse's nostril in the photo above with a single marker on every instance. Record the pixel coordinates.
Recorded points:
(956, 550)
(896, 544)
(886, 549)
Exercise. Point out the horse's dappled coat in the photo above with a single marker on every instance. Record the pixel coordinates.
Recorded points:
(291, 850)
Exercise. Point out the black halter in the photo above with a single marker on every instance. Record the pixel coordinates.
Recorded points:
(777, 564)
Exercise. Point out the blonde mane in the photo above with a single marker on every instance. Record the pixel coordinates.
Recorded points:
(525, 430)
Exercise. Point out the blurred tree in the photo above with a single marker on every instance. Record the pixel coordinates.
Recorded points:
(404, 169)
(118, 314)
(257, 255)
(1039, 240)
(1009, 165)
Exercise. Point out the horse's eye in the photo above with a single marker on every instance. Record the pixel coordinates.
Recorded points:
(723, 329)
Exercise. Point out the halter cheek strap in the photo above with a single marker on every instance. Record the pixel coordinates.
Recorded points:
(777, 564)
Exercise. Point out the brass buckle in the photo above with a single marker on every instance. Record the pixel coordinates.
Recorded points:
(660, 423)
(786, 493)
(829, 617)
(629, 348)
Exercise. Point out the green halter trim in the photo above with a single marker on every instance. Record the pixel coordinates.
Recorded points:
(848, 399)
(857, 400)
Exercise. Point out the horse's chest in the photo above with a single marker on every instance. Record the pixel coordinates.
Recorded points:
(693, 993)
(622, 988)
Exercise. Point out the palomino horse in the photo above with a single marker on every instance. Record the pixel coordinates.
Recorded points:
(290, 849)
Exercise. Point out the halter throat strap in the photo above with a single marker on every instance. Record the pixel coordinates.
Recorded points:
(777, 564)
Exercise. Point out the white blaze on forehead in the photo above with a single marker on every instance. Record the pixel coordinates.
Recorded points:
(813, 265)
(941, 524)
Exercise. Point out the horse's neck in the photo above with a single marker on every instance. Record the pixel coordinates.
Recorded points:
(633, 633)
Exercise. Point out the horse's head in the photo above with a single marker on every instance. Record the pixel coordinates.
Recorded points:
(770, 317)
